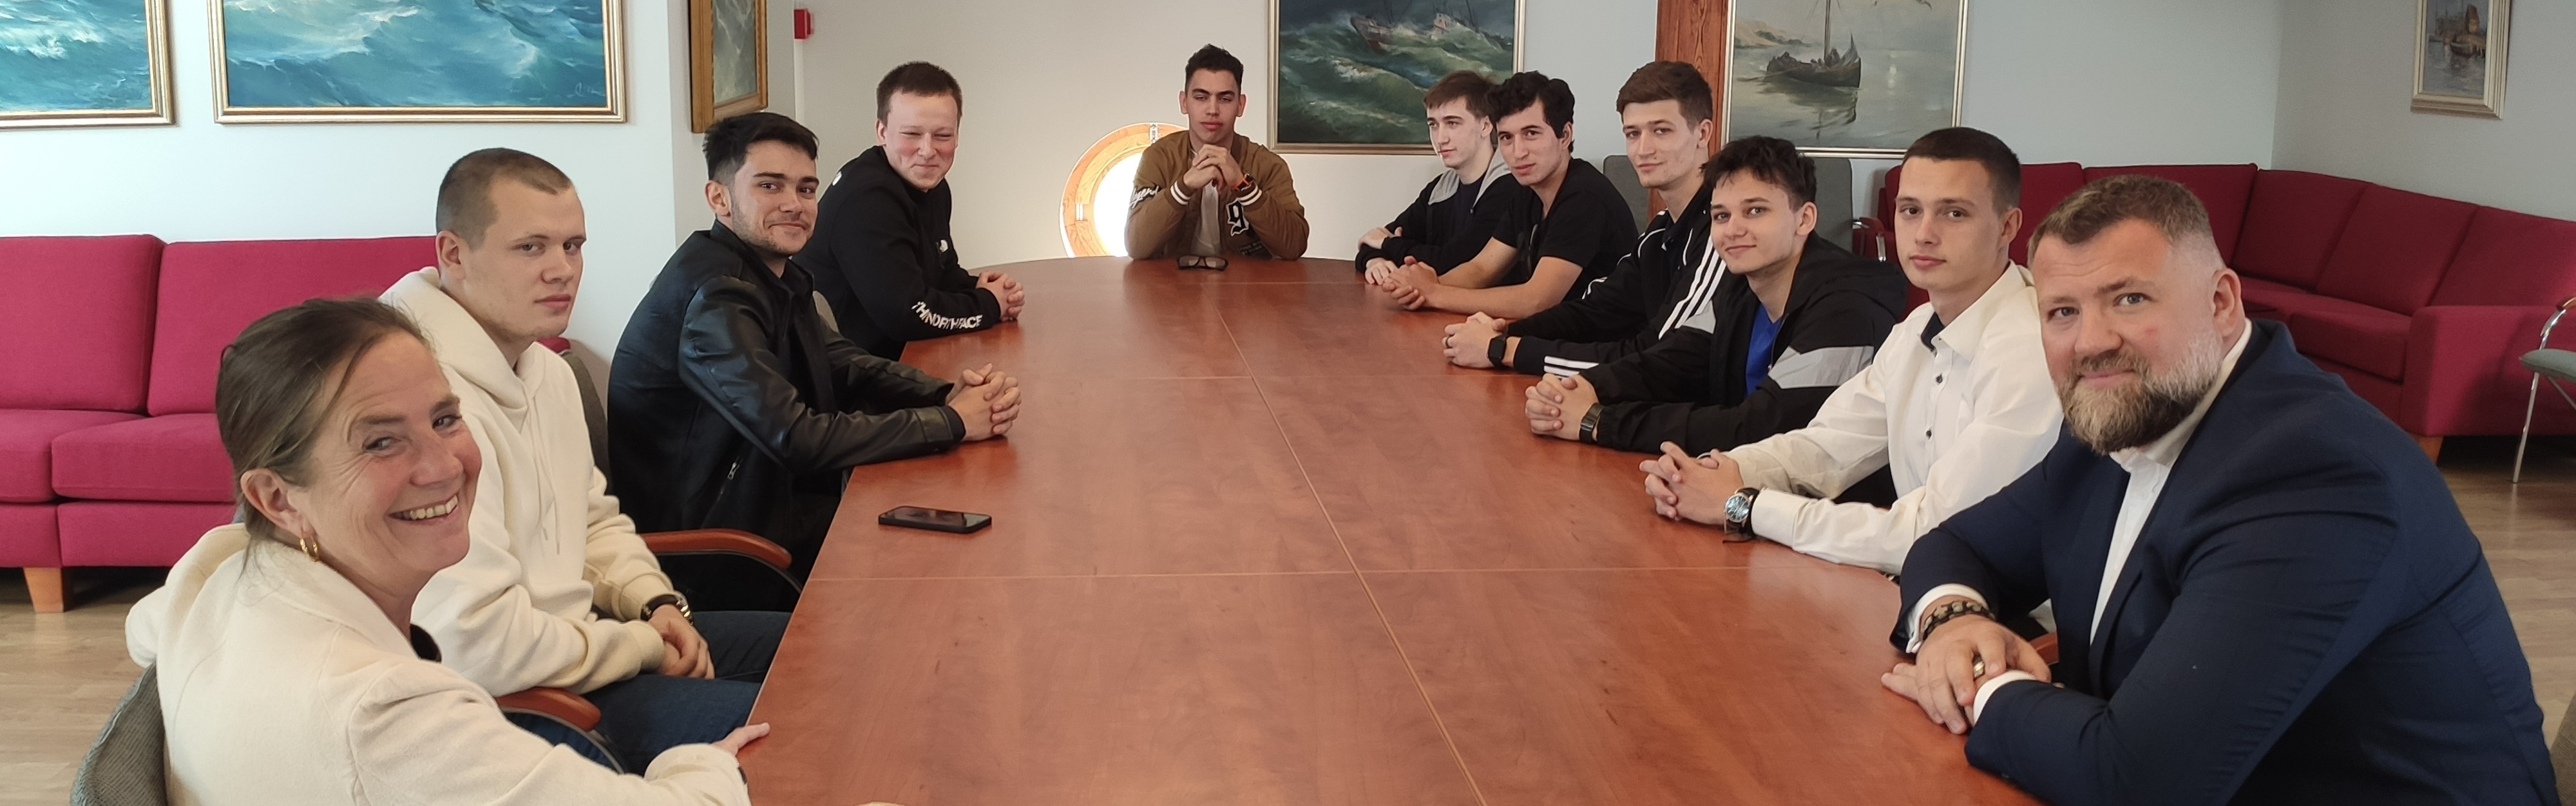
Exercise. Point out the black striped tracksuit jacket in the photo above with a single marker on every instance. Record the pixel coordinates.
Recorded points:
(1669, 280)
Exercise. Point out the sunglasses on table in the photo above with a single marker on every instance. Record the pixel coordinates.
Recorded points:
(1208, 262)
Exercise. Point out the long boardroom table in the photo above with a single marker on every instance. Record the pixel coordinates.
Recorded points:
(1255, 542)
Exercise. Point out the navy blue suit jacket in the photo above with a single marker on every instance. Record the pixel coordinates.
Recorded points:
(2305, 617)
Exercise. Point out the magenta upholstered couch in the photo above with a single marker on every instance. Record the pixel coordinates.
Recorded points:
(108, 454)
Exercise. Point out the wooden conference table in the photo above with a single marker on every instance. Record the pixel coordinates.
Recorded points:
(1255, 542)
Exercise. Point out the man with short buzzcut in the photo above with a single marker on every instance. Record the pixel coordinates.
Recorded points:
(881, 253)
(1207, 192)
(2264, 590)
(1450, 222)
(556, 590)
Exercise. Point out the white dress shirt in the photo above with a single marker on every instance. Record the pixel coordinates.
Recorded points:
(1953, 418)
(2149, 466)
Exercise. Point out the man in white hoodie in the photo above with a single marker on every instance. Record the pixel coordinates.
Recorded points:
(557, 590)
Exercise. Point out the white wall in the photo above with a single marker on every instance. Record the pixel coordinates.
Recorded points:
(1045, 80)
(2347, 71)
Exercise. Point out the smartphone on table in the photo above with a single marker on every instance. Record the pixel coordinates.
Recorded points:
(937, 520)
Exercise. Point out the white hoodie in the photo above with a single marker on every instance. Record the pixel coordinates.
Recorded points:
(282, 683)
(551, 551)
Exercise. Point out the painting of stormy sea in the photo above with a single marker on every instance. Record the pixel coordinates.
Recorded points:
(74, 56)
(1352, 72)
(1844, 75)
(393, 54)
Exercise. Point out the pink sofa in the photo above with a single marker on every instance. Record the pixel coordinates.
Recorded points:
(108, 452)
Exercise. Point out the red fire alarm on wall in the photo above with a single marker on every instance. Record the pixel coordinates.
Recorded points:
(804, 24)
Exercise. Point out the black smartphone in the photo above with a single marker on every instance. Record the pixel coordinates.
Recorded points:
(937, 520)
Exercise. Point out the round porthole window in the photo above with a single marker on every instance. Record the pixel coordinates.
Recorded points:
(1095, 196)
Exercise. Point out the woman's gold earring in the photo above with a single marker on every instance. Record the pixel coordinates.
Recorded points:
(312, 550)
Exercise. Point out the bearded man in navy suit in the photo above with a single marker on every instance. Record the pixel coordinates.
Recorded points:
(2264, 591)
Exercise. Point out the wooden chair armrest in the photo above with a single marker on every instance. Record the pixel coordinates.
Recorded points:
(564, 706)
(718, 541)
(2047, 647)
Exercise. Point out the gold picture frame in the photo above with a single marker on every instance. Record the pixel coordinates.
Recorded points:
(1278, 65)
(1731, 86)
(164, 108)
(612, 110)
(704, 108)
(2448, 46)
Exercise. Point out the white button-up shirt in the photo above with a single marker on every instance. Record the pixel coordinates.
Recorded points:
(1953, 418)
(2149, 466)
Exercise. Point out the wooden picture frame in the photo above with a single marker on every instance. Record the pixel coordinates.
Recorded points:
(325, 90)
(158, 108)
(718, 44)
(2460, 56)
(1374, 97)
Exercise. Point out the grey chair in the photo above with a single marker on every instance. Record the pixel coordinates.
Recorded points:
(2562, 755)
(125, 766)
(1835, 220)
(2556, 366)
(1623, 175)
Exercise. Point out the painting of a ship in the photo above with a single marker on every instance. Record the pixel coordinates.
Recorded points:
(1835, 68)
(1844, 77)
(2459, 56)
(1351, 73)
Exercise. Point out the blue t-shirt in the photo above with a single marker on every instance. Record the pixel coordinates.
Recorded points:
(1757, 358)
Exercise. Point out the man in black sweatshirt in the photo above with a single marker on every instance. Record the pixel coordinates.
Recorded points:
(1795, 317)
(881, 254)
(1666, 112)
(1450, 222)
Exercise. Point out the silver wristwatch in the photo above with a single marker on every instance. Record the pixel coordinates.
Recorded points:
(1739, 509)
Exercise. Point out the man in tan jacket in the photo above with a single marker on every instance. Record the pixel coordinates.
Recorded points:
(1209, 191)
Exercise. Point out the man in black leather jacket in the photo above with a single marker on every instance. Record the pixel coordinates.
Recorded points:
(731, 404)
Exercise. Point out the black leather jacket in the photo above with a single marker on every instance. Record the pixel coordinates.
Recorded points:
(729, 394)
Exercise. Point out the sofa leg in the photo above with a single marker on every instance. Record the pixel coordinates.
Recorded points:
(45, 586)
(2432, 447)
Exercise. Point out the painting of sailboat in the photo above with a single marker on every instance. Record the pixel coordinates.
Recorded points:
(1845, 77)
(1351, 73)
(2459, 56)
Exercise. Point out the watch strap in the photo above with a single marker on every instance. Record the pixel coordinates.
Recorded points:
(1590, 431)
(1945, 613)
(672, 599)
(1495, 349)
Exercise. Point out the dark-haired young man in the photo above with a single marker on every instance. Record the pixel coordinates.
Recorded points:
(556, 590)
(1553, 242)
(1667, 113)
(1795, 317)
(1207, 191)
(881, 253)
(731, 405)
(1956, 404)
(1455, 215)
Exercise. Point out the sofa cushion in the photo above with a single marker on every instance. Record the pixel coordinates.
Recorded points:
(2277, 301)
(95, 533)
(211, 290)
(2042, 187)
(2353, 334)
(27, 448)
(2291, 222)
(175, 457)
(2394, 249)
(27, 537)
(76, 314)
(2224, 189)
(2511, 258)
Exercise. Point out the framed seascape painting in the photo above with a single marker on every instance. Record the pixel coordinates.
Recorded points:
(1349, 75)
(2459, 56)
(419, 60)
(84, 63)
(1849, 78)
(728, 60)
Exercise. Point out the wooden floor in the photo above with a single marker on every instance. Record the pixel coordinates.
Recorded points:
(61, 674)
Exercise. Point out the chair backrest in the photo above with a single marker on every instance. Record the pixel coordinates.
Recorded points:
(2562, 755)
(1834, 215)
(125, 767)
(1623, 175)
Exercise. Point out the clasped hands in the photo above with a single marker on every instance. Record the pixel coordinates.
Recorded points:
(1408, 284)
(988, 400)
(1555, 406)
(1212, 164)
(1958, 657)
(1005, 290)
